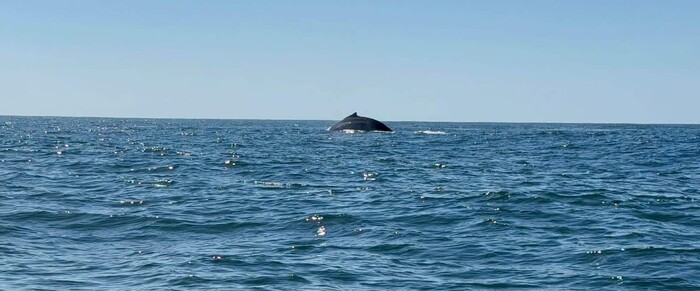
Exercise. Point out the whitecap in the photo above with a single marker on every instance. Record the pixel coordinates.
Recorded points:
(163, 183)
(370, 176)
(271, 184)
(430, 132)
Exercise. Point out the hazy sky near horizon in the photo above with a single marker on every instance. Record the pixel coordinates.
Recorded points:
(630, 61)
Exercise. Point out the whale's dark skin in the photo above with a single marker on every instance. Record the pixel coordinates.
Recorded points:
(356, 122)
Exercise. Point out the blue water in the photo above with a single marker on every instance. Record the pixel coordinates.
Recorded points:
(88, 203)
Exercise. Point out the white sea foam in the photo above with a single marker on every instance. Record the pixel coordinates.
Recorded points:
(370, 176)
(321, 231)
(430, 132)
(270, 184)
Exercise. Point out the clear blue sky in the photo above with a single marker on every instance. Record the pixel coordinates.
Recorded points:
(524, 61)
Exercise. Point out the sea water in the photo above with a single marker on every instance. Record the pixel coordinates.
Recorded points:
(124, 204)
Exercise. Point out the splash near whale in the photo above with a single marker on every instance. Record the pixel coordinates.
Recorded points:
(356, 122)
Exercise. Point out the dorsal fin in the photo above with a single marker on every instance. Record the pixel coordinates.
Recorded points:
(353, 115)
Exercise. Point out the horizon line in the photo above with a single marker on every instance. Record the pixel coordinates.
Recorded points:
(332, 120)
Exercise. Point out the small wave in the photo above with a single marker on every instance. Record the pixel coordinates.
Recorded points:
(370, 176)
(314, 218)
(276, 184)
(297, 278)
(157, 150)
(496, 195)
(131, 202)
(321, 231)
(203, 227)
(430, 132)
(388, 248)
(270, 184)
(163, 183)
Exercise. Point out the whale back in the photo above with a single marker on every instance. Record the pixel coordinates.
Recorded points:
(356, 122)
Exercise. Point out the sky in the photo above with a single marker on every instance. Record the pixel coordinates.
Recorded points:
(619, 61)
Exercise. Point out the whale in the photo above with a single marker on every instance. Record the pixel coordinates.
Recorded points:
(356, 122)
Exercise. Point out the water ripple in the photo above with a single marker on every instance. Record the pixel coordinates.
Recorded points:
(89, 203)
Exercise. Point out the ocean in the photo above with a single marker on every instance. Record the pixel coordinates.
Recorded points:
(158, 204)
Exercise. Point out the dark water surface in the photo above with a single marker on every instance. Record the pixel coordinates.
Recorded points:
(88, 203)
